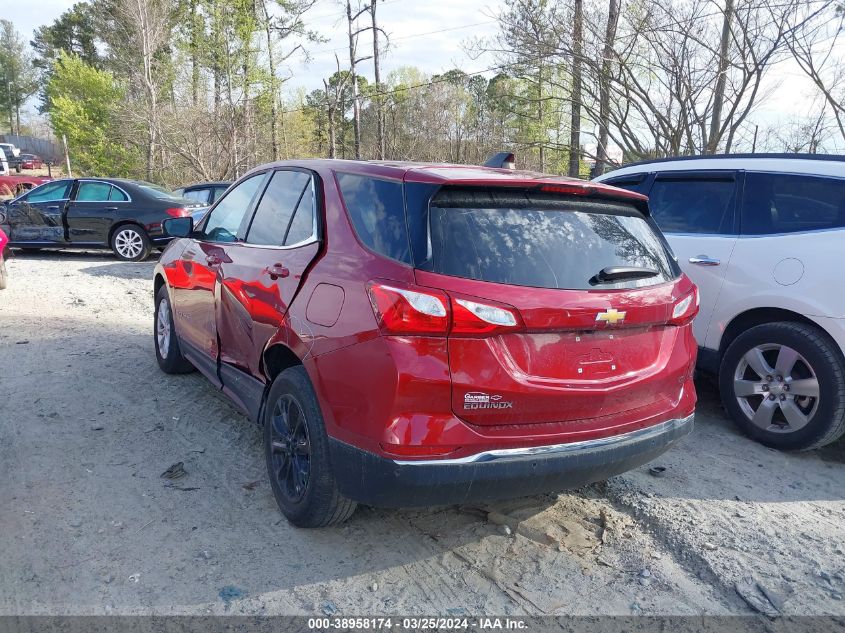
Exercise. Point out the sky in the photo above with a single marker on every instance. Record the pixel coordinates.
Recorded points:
(428, 34)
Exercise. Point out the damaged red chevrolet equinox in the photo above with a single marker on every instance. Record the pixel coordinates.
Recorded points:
(411, 334)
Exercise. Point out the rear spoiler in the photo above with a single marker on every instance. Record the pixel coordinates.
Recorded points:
(501, 160)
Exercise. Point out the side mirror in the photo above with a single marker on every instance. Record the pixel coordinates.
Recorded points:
(178, 227)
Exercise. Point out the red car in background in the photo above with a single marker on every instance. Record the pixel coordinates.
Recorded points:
(31, 161)
(412, 335)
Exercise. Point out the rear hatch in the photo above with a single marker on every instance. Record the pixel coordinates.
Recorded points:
(582, 299)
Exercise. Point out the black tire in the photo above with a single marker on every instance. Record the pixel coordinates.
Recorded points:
(2, 273)
(819, 359)
(169, 359)
(295, 442)
(130, 243)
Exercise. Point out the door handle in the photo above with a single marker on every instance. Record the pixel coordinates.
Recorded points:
(214, 260)
(53, 208)
(110, 209)
(704, 260)
(277, 270)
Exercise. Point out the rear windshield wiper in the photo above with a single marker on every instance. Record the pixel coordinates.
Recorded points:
(610, 274)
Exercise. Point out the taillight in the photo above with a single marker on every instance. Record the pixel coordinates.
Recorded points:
(685, 309)
(425, 311)
(473, 318)
(177, 212)
(405, 311)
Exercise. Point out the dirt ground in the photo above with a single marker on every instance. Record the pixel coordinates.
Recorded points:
(88, 526)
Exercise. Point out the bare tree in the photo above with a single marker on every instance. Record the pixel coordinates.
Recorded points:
(815, 44)
(604, 79)
(353, 31)
(379, 100)
(577, 63)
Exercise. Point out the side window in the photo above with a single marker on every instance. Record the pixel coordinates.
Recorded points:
(217, 192)
(377, 210)
(693, 205)
(197, 195)
(302, 224)
(631, 182)
(52, 191)
(224, 221)
(780, 203)
(93, 192)
(117, 195)
(274, 213)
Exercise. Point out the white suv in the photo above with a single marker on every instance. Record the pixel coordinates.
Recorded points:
(763, 237)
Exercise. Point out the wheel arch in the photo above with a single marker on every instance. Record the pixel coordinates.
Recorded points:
(277, 358)
(760, 316)
(158, 282)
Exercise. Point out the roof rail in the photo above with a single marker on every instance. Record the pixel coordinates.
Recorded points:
(501, 160)
(794, 156)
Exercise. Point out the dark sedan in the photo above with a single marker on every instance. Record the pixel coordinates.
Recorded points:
(123, 215)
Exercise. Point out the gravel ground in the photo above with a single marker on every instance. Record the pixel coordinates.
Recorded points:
(87, 525)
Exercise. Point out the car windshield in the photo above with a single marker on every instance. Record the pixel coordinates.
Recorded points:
(544, 241)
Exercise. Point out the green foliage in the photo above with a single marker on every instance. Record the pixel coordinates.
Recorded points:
(83, 102)
(73, 32)
(17, 74)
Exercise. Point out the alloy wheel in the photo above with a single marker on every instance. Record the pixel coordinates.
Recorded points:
(163, 328)
(129, 243)
(290, 448)
(776, 388)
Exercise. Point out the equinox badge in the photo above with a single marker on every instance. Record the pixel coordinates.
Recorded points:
(611, 317)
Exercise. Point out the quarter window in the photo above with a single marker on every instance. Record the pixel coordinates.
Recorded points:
(117, 195)
(377, 210)
(273, 216)
(779, 203)
(693, 205)
(224, 221)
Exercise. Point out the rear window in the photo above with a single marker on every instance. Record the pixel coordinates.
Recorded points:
(543, 241)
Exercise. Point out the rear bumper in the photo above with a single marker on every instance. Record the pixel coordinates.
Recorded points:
(498, 474)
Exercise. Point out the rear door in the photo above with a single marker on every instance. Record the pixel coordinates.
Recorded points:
(697, 213)
(261, 275)
(94, 208)
(37, 216)
(195, 280)
(584, 352)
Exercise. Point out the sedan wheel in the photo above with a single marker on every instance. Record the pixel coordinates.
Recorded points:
(130, 243)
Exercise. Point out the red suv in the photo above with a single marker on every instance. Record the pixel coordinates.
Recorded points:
(412, 334)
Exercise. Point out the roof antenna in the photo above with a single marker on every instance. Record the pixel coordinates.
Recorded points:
(501, 160)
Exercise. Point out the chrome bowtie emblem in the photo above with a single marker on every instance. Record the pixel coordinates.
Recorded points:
(611, 317)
